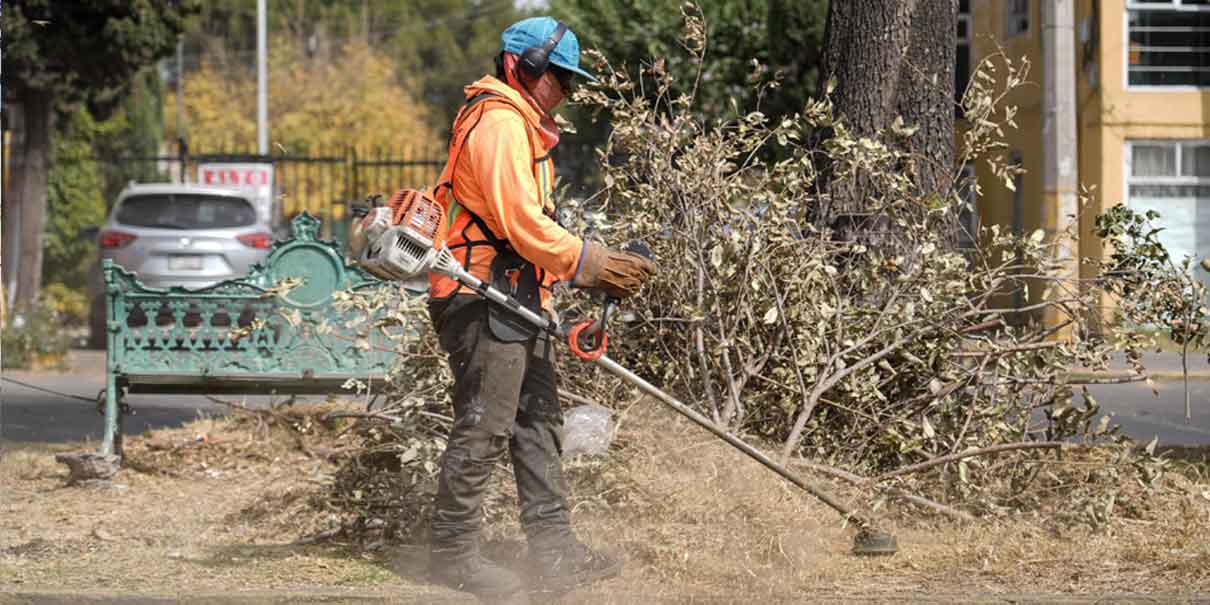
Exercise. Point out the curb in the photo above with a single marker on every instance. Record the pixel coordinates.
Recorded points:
(1165, 375)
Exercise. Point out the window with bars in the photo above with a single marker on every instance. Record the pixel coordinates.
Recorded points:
(1168, 42)
(1017, 18)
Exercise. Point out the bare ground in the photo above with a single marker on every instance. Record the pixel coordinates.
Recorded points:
(220, 521)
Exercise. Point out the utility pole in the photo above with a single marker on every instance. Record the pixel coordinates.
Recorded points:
(262, 84)
(181, 177)
(1060, 154)
(180, 77)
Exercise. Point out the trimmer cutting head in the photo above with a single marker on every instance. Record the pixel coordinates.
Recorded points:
(873, 542)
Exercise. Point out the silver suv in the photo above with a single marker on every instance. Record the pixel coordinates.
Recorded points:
(180, 235)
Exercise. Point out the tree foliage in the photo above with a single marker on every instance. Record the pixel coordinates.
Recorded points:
(748, 41)
(88, 49)
(74, 202)
(350, 97)
(58, 54)
(436, 46)
(783, 36)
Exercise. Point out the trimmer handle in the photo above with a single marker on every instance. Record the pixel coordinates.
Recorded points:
(588, 340)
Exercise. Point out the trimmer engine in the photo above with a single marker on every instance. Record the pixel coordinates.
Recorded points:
(410, 247)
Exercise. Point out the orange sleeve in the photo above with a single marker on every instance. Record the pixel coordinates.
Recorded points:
(500, 159)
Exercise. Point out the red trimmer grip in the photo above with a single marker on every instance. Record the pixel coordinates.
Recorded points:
(600, 342)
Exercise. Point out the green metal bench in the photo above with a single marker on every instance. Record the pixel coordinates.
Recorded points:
(259, 334)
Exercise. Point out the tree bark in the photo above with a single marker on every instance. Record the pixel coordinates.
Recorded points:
(926, 94)
(33, 189)
(863, 54)
(889, 59)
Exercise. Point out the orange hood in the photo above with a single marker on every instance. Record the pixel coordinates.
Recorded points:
(529, 109)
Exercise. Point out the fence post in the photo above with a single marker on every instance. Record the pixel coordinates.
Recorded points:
(352, 175)
(182, 148)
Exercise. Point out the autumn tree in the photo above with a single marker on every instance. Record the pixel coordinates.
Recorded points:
(57, 54)
(436, 46)
(350, 96)
(889, 67)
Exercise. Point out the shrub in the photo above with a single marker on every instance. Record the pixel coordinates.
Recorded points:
(34, 337)
(69, 304)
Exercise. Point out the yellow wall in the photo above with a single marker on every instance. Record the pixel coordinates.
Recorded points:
(1109, 114)
(996, 205)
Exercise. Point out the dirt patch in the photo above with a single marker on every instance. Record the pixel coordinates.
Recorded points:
(224, 506)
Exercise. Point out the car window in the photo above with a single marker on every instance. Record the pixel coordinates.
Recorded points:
(185, 211)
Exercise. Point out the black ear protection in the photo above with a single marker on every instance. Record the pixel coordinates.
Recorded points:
(536, 59)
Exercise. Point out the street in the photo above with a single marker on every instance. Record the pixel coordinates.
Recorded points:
(1144, 416)
(27, 415)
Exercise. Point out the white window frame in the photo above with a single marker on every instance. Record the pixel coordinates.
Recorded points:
(1179, 145)
(1170, 5)
(1128, 169)
(1011, 15)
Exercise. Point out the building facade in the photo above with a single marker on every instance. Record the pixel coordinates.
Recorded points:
(1142, 71)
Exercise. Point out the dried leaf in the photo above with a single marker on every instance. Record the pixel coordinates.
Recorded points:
(771, 315)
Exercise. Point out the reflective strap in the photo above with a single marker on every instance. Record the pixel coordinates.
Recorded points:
(454, 209)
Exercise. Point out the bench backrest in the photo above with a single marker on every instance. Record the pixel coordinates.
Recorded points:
(278, 323)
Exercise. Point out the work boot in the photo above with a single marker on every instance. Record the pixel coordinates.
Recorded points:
(471, 572)
(571, 565)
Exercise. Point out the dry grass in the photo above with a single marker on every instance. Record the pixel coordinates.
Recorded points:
(695, 520)
(702, 519)
(31, 462)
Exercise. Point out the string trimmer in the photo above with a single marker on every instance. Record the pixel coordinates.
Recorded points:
(412, 248)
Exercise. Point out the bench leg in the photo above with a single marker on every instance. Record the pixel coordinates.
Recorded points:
(111, 443)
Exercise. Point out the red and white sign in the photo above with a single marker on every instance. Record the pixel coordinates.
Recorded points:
(257, 178)
(235, 175)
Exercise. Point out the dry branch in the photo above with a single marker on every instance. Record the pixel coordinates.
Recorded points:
(572, 397)
(858, 480)
(1007, 447)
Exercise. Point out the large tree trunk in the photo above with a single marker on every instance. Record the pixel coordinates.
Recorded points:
(33, 188)
(889, 59)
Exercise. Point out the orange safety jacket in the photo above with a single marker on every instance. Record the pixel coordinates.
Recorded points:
(500, 176)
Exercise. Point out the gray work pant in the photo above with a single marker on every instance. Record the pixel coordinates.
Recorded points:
(505, 397)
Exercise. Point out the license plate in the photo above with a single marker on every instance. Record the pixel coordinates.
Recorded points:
(184, 263)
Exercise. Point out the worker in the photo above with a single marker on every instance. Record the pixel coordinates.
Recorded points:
(502, 229)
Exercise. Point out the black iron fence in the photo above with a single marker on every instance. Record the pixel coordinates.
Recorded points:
(321, 183)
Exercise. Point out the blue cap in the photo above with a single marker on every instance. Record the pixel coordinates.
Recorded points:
(535, 31)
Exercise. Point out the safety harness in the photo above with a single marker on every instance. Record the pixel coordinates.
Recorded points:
(510, 272)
